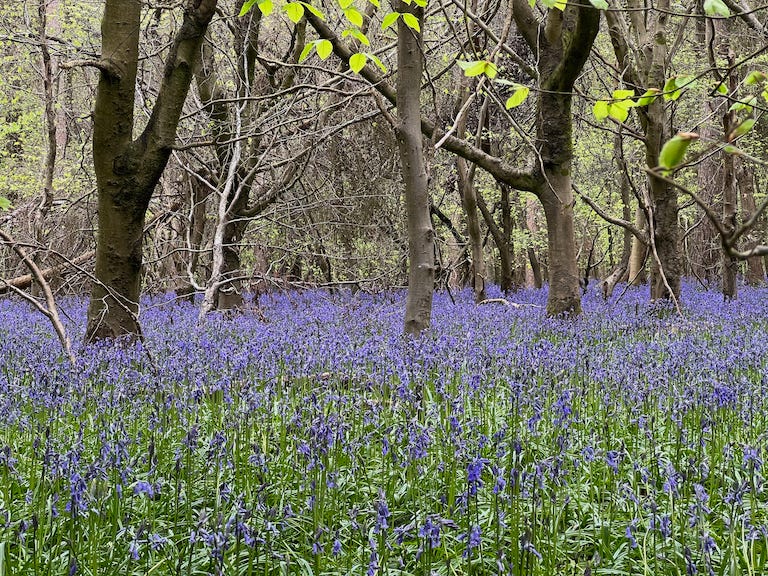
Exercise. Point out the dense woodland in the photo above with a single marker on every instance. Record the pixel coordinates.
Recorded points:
(217, 148)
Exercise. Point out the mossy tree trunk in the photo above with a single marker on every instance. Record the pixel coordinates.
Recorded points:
(128, 169)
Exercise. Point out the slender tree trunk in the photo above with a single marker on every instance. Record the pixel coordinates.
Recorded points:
(730, 192)
(535, 278)
(421, 245)
(469, 203)
(755, 275)
(639, 253)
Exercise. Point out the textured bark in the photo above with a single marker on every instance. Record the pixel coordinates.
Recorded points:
(421, 244)
(644, 65)
(755, 275)
(730, 193)
(621, 271)
(639, 253)
(562, 43)
(469, 203)
(535, 279)
(128, 169)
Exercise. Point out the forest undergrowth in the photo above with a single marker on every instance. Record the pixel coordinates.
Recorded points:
(313, 438)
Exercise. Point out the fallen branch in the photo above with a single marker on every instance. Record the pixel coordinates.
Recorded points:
(51, 312)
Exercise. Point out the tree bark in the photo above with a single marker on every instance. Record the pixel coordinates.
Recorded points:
(755, 275)
(128, 169)
(421, 246)
(730, 192)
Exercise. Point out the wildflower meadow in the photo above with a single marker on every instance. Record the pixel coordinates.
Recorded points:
(307, 436)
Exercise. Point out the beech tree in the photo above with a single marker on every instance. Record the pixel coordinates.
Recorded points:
(127, 168)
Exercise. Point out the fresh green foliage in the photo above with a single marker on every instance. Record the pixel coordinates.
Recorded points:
(478, 67)
(617, 108)
(673, 87)
(518, 96)
(673, 151)
(716, 8)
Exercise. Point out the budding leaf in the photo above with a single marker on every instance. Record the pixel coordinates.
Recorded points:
(357, 62)
(305, 52)
(716, 8)
(754, 77)
(354, 17)
(472, 68)
(294, 11)
(316, 11)
(648, 97)
(673, 151)
(324, 49)
(741, 129)
(411, 21)
(600, 110)
(5, 204)
(389, 19)
(246, 7)
(518, 96)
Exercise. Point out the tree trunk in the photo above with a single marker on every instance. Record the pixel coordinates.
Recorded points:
(755, 275)
(730, 193)
(421, 245)
(127, 170)
(469, 203)
(556, 195)
(562, 43)
(639, 253)
(534, 279)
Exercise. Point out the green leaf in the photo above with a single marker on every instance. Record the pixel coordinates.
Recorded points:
(313, 10)
(673, 152)
(246, 7)
(357, 34)
(716, 8)
(518, 96)
(559, 4)
(354, 17)
(722, 88)
(729, 149)
(673, 87)
(754, 77)
(600, 110)
(389, 19)
(411, 21)
(344, 4)
(618, 112)
(744, 105)
(599, 4)
(294, 11)
(741, 129)
(375, 3)
(377, 61)
(266, 7)
(5, 204)
(765, 95)
(648, 97)
(624, 95)
(305, 52)
(490, 70)
(420, 3)
(324, 49)
(472, 68)
(357, 62)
